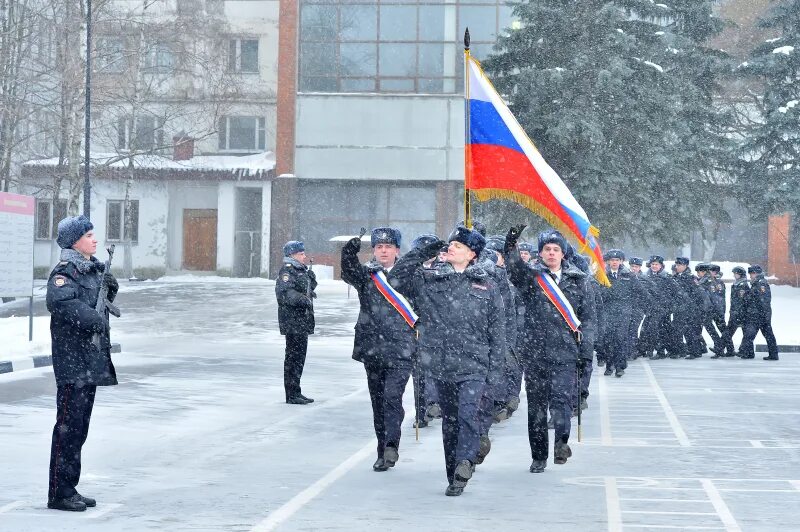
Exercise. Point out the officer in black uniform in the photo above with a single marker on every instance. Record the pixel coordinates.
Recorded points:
(687, 317)
(384, 341)
(657, 329)
(639, 305)
(740, 294)
(708, 305)
(81, 350)
(527, 252)
(461, 341)
(295, 291)
(759, 316)
(619, 305)
(550, 351)
(718, 304)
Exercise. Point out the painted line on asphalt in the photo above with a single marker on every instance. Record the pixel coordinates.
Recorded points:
(11, 506)
(634, 499)
(605, 416)
(655, 512)
(274, 519)
(757, 444)
(721, 508)
(103, 511)
(795, 484)
(612, 505)
(683, 439)
(676, 527)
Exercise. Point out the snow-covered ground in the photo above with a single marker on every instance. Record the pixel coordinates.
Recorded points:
(197, 436)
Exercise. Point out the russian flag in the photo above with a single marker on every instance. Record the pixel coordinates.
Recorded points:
(502, 162)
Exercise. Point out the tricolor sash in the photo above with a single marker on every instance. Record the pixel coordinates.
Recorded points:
(395, 298)
(559, 300)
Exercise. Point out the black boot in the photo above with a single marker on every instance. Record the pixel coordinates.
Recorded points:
(390, 455)
(561, 452)
(620, 372)
(463, 473)
(537, 466)
(380, 465)
(298, 400)
(306, 399)
(609, 370)
(483, 450)
(600, 363)
(771, 357)
(88, 501)
(70, 504)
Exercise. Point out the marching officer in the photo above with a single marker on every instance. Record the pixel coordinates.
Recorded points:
(294, 289)
(552, 343)
(687, 316)
(708, 293)
(639, 305)
(461, 341)
(718, 304)
(384, 338)
(759, 316)
(81, 350)
(619, 303)
(740, 295)
(656, 329)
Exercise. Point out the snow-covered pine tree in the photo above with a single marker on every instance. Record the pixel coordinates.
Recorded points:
(771, 153)
(603, 89)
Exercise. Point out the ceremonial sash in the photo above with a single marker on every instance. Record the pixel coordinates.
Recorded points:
(395, 298)
(559, 300)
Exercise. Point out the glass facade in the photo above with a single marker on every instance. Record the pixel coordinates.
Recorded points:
(405, 46)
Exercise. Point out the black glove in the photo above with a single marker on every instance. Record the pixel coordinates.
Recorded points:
(313, 295)
(353, 245)
(582, 363)
(432, 249)
(311, 275)
(511, 238)
(110, 281)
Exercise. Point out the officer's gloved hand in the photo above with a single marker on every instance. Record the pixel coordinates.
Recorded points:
(311, 275)
(110, 281)
(432, 249)
(511, 238)
(353, 245)
(313, 295)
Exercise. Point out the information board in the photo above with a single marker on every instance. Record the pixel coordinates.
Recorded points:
(16, 244)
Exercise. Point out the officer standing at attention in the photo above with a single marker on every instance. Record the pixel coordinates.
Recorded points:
(461, 341)
(81, 350)
(384, 339)
(740, 295)
(759, 316)
(619, 303)
(552, 344)
(295, 291)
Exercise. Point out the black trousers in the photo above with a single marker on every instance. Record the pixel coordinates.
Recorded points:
(751, 329)
(74, 405)
(420, 392)
(730, 330)
(549, 385)
(386, 387)
(293, 363)
(460, 402)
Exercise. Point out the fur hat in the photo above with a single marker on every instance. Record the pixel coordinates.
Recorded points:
(495, 243)
(552, 237)
(655, 258)
(614, 254)
(423, 240)
(738, 270)
(71, 229)
(755, 268)
(292, 247)
(469, 237)
(385, 235)
(682, 260)
(702, 267)
(525, 246)
(635, 261)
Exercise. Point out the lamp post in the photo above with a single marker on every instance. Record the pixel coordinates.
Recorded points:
(87, 184)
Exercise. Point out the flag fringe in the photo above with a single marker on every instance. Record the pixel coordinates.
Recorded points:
(535, 207)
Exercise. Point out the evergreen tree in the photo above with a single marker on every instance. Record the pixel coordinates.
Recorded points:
(772, 149)
(617, 95)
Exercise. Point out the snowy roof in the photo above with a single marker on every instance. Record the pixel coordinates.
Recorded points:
(241, 166)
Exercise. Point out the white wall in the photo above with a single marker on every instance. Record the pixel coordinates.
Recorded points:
(185, 195)
(396, 137)
(226, 225)
(266, 219)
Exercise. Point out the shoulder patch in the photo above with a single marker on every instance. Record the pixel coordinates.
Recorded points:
(60, 280)
(763, 288)
(285, 278)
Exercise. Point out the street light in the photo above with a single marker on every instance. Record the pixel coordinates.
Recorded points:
(87, 184)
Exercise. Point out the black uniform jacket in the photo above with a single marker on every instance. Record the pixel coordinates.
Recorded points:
(294, 288)
(72, 292)
(546, 336)
(382, 338)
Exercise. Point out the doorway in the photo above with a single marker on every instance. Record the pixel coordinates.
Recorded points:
(200, 239)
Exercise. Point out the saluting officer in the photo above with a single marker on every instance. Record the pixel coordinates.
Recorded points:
(384, 340)
(81, 349)
(295, 291)
(759, 315)
(461, 341)
(550, 348)
(740, 294)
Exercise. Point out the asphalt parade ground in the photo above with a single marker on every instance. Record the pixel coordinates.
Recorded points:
(197, 437)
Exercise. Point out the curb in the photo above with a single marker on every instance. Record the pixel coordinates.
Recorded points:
(761, 348)
(37, 361)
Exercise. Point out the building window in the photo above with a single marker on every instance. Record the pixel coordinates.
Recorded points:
(110, 54)
(159, 58)
(398, 46)
(242, 133)
(47, 218)
(148, 134)
(243, 55)
(115, 220)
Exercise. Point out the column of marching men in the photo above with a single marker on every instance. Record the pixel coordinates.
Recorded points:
(471, 319)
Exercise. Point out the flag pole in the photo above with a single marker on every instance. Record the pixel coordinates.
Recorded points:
(467, 161)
